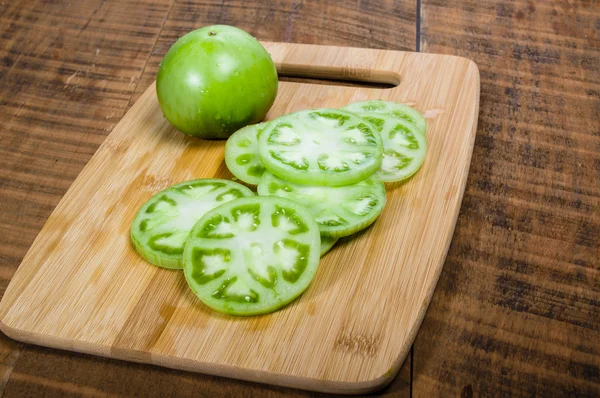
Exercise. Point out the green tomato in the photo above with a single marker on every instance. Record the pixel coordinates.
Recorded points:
(215, 80)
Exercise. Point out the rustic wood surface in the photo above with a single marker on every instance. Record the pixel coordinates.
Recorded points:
(516, 308)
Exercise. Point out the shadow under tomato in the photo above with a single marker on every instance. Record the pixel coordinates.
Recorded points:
(393, 186)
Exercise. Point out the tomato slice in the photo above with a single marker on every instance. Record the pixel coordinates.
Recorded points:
(339, 211)
(404, 146)
(161, 226)
(327, 242)
(391, 108)
(252, 255)
(241, 154)
(328, 147)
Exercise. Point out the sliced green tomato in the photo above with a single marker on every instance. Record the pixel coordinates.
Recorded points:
(391, 108)
(339, 211)
(404, 146)
(241, 154)
(252, 255)
(326, 147)
(161, 226)
(327, 242)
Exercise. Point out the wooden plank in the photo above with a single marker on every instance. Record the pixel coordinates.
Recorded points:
(54, 122)
(57, 373)
(67, 72)
(517, 308)
(349, 332)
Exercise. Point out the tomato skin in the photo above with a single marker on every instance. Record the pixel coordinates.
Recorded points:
(215, 80)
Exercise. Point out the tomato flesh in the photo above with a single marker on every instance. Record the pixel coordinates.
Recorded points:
(326, 147)
(339, 211)
(252, 255)
(161, 226)
(397, 109)
(241, 154)
(404, 146)
(327, 244)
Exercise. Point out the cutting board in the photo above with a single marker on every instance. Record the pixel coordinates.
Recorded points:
(82, 287)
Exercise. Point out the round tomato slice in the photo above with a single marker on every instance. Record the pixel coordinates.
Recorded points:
(252, 255)
(241, 154)
(391, 108)
(327, 242)
(404, 146)
(339, 211)
(161, 226)
(328, 147)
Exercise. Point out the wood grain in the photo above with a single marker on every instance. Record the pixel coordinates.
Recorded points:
(517, 308)
(50, 52)
(59, 373)
(351, 329)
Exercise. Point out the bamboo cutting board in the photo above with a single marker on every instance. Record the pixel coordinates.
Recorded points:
(82, 287)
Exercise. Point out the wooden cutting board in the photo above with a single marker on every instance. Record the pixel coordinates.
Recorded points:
(82, 287)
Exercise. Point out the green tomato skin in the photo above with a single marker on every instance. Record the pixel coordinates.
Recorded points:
(215, 80)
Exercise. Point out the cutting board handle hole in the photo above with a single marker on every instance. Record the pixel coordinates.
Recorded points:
(352, 76)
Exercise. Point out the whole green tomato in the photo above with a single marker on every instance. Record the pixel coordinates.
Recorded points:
(215, 80)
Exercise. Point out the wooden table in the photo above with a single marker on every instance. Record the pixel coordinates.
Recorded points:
(517, 308)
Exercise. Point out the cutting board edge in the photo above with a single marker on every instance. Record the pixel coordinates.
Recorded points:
(207, 368)
(416, 326)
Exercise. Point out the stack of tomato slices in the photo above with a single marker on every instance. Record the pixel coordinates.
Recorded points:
(320, 176)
